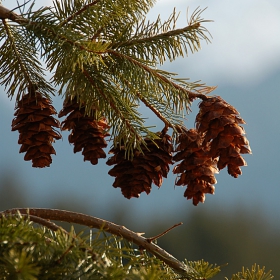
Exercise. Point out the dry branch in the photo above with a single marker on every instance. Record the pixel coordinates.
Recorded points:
(93, 222)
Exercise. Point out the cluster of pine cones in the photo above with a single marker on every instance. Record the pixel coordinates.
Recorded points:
(217, 142)
(35, 123)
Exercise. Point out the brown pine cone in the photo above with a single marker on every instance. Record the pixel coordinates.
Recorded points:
(87, 133)
(137, 175)
(35, 125)
(196, 169)
(219, 122)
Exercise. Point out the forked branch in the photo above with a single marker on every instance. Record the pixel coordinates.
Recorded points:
(93, 222)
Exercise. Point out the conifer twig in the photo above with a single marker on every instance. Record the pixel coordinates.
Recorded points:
(16, 53)
(93, 222)
(191, 95)
(156, 112)
(114, 107)
(170, 33)
(153, 109)
(52, 226)
(79, 12)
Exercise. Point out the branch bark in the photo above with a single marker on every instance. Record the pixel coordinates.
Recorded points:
(8, 14)
(93, 222)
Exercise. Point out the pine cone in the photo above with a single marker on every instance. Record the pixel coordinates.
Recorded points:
(196, 168)
(87, 133)
(35, 125)
(137, 175)
(220, 124)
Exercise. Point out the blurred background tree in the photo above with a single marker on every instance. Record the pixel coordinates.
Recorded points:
(234, 238)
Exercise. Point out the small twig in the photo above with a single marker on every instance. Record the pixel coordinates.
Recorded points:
(41, 221)
(191, 95)
(153, 109)
(65, 253)
(93, 222)
(19, 6)
(98, 32)
(79, 12)
(151, 239)
(114, 107)
(171, 33)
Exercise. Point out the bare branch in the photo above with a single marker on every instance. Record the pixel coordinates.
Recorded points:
(151, 239)
(93, 222)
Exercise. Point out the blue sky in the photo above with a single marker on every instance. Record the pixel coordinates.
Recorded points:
(243, 60)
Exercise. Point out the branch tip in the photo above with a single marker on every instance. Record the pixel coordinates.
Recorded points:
(151, 239)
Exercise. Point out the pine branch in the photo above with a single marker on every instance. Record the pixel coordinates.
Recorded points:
(15, 51)
(187, 94)
(77, 13)
(41, 221)
(19, 68)
(113, 106)
(93, 222)
(156, 41)
(97, 55)
(108, 69)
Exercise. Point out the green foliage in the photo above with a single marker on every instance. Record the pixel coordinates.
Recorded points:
(105, 54)
(151, 41)
(19, 66)
(203, 269)
(255, 273)
(32, 252)
(28, 251)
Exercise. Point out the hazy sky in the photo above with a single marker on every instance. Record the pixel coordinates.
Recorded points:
(246, 42)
